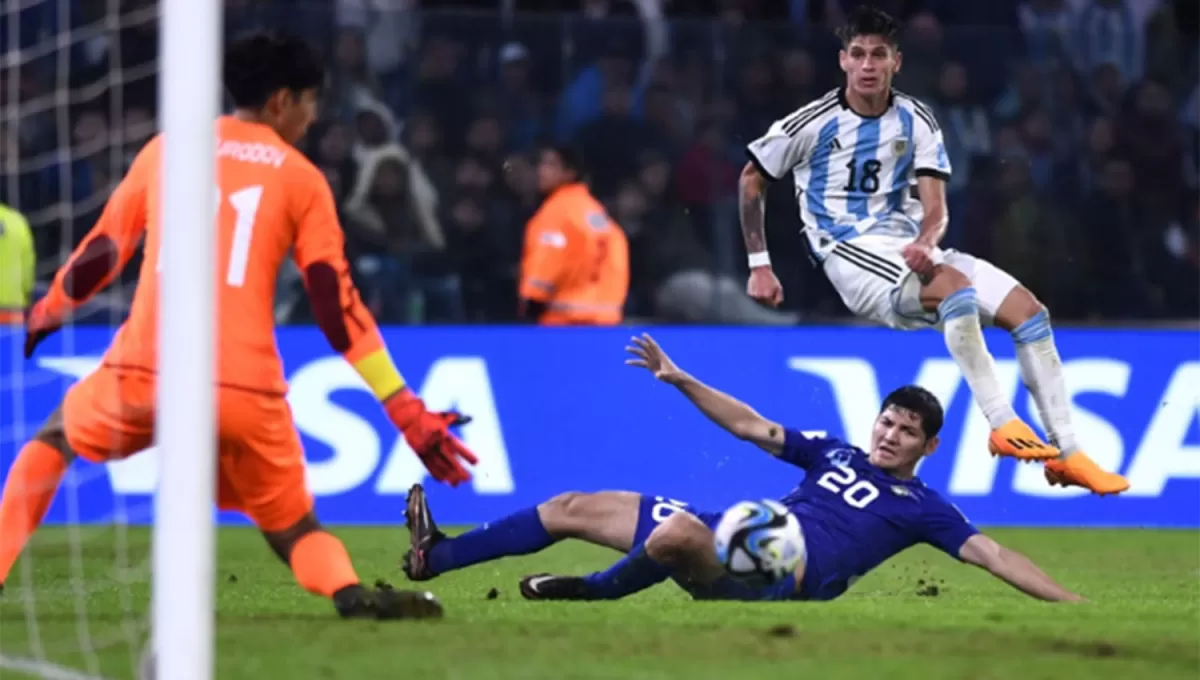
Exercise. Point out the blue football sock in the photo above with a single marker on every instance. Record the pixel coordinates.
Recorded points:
(520, 533)
(632, 573)
(728, 588)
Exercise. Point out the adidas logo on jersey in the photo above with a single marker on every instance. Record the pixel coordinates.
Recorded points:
(835, 145)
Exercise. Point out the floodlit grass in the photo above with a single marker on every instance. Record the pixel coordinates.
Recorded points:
(919, 616)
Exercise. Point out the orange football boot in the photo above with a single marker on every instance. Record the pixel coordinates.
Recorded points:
(1017, 440)
(1078, 469)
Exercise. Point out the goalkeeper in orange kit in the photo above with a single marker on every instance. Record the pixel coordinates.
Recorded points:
(272, 201)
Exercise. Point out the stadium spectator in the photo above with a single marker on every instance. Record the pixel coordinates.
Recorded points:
(1036, 98)
(524, 109)
(392, 211)
(575, 265)
(612, 139)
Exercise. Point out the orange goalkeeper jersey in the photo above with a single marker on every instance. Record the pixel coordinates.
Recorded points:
(272, 200)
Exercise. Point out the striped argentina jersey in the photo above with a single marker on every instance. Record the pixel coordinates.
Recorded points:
(854, 173)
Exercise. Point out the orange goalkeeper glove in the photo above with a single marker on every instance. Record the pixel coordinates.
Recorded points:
(428, 433)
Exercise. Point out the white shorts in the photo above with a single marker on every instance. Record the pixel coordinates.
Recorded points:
(869, 273)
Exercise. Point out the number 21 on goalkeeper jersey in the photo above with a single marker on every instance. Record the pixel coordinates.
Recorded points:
(270, 200)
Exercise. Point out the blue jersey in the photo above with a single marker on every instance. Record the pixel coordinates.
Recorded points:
(855, 516)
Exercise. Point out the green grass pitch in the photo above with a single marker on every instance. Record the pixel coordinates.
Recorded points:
(919, 616)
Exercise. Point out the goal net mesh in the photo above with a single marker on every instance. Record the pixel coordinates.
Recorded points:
(77, 100)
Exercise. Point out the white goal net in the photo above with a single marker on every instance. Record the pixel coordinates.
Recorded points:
(77, 99)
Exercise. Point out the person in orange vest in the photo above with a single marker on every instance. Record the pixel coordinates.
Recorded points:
(575, 266)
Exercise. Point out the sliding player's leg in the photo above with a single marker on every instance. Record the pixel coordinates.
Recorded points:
(106, 416)
(1020, 313)
(261, 474)
(679, 547)
(606, 518)
(642, 517)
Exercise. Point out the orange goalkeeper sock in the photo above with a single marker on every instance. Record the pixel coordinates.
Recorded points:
(321, 564)
(32, 482)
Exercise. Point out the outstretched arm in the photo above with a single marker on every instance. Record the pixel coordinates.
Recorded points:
(1014, 569)
(737, 417)
(319, 253)
(101, 255)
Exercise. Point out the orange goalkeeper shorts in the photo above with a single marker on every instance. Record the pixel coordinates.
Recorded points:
(110, 415)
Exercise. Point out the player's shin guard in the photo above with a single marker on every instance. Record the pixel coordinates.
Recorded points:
(521, 533)
(964, 338)
(1041, 370)
(32, 482)
(632, 573)
(321, 564)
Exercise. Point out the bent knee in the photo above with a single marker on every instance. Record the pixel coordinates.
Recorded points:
(680, 534)
(282, 542)
(53, 433)
(946, 281)
(1019, 306)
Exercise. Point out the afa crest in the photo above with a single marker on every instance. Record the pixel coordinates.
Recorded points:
(900, 146)
(840, 457)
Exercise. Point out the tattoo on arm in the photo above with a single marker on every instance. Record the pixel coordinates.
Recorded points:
(751, 203)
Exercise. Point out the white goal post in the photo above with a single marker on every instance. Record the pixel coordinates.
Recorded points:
(184, 548)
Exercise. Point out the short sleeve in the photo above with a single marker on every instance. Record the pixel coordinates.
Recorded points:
(781, 149)
(945, 527)
(929, 156)
(804, 451)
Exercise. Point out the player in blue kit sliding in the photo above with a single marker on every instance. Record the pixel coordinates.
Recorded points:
(856, 510)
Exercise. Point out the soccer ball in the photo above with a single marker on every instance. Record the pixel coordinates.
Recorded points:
(759, 542)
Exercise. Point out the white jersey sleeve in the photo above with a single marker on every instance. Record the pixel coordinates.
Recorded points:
(929, 153)
(789, 141)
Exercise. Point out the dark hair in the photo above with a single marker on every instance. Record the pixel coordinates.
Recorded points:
(568, 156)
(866, 20)
(259, 65)
(920, 401)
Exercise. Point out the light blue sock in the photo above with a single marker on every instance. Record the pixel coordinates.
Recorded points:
(728, 588)
(1041, 371)
(963, 331)
(520, 533)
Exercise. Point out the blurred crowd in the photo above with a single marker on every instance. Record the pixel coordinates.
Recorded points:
(1073, 127)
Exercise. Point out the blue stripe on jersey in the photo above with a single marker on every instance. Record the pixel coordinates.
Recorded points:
(865, 149)
(904, 164)
(818, 181)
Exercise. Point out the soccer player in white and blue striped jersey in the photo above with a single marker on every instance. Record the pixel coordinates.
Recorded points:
(855, 155)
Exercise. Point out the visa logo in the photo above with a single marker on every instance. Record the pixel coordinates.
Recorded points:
(460, 383)
(1149, 453)
(1161, 454)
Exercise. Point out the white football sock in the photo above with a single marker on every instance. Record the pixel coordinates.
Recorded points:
(964, 338)
(1041, 370)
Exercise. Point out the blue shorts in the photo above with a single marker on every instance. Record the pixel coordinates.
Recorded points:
(654, 510)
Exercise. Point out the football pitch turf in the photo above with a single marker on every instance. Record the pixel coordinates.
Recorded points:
(919, 616)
